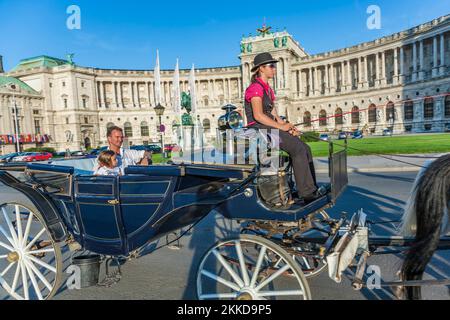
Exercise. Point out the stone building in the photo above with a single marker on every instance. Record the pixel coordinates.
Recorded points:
(399, 81)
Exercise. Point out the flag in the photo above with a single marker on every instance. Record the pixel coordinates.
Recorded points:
(157, 74)
(176, 95)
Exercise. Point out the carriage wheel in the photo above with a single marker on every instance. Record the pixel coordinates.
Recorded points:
(239, 269)
(30, 261)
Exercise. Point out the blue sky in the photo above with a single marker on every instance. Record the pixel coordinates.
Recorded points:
(126, 34)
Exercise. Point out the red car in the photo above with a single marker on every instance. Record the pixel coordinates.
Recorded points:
(44, 156)
(169, 147)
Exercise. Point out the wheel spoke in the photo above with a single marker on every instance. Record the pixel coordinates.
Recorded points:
(262, 253)
(11, 227)
(4, 256)
(218, 296)
(19, 224)
(41, 251)
(35, 239)
(306, 263)
(228, 268)
(7, 269)
(24, 281)
(273, 277)
(280, 293)
(39, 274)
(42, 263)
(16, 278)
(7, 247)
(33, 281)
(27, 229)
(10, 240)
(242, 263)
(221, 280)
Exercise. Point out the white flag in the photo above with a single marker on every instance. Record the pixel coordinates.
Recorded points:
(157, 74)
(176, 96)
(193, 90)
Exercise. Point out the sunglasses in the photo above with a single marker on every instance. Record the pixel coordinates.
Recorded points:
(271, 65)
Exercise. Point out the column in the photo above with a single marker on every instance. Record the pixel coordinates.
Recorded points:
(332, 79)
(229, 90)
(421, 62)
(149, 93)
(383, 68)
(116, 96)
(102, 94)
(414, 75)
(402, 65)
(442, 67)
(119, 95)
(395, 80)
(300, 84)
(240, 88)
(327, 82)
(366, 73)
(316, 81)
(377, 70)
(310, 83)
(349, 76)
(138, 95)
(360, 73)
(435, 71)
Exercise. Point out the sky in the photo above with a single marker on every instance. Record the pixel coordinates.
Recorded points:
(126, 34)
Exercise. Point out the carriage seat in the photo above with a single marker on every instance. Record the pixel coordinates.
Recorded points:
(83, 166)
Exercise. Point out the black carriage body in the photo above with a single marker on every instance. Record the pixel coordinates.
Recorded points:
(117, 215)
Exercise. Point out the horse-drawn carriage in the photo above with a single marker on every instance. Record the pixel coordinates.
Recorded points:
(119, 217)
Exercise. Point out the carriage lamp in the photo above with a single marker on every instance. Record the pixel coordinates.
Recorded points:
(231, 120)
(159, 109)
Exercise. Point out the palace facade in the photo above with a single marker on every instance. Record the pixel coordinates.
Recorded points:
(397, 82)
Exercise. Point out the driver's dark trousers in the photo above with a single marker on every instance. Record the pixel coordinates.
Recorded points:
(302, 161)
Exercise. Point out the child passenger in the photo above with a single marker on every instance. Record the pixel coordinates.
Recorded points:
(107, 164)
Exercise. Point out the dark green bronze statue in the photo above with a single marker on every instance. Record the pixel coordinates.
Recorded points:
(186, 104)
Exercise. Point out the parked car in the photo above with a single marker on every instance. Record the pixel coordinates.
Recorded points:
(387, 133)
(324, 137)
(151, 148)
(342, 136)
(9, 157)
(34, 156)
(447, 127)
(357, 135)
(96, 152)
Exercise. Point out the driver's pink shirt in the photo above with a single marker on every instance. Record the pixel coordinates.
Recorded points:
(255, 90)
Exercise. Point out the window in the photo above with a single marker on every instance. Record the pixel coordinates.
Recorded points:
(390, 112)
(355, 115)
(67, 120)
(128, 130)
(36, 112)
(84, 103)
(65, 103)
(428, 108)
(409, 110)
(307, 119)
(83, 84)
(323, 118)
(207, 125)
(408, 128)
(372, 113)
(63, 83)
(144, 130)
(86, 120)
(428, 127)
(447, 106)
(339, 120)
(37, 126)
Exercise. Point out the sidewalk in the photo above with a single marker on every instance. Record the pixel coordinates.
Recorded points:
(374, 163)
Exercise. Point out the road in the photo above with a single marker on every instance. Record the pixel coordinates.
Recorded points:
(170, 274)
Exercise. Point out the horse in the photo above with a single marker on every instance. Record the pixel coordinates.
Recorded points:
(426, 218)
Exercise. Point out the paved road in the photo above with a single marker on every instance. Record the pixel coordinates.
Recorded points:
(169, 274)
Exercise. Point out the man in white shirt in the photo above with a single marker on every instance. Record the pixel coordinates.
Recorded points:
(126, 157)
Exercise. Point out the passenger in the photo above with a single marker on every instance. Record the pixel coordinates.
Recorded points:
(261, 114)
(108, 164)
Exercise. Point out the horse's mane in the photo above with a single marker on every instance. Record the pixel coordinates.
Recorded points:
(430, 205)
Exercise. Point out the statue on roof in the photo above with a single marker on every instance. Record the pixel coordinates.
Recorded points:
(265, 30)
(70, 58)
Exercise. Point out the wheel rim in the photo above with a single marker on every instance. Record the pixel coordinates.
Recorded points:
(29, 259)
(239, 269)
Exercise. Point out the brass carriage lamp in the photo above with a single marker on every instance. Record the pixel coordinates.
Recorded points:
(159, 109)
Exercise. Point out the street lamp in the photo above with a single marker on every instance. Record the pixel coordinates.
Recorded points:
(159, 109)
(16, 124)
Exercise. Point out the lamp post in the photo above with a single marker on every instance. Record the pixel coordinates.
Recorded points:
(159, 109)
(16, 124)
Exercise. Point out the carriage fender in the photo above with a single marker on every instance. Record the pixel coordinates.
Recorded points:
(43, 204)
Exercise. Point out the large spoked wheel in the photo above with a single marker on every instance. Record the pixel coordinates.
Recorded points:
(250, 268)
(30, 261)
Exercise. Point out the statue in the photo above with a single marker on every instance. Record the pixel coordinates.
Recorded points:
(276, 42)
(242, 48)
(284, 41)
(186, 103)
(249, 48)
(70, 58)
(379, 115)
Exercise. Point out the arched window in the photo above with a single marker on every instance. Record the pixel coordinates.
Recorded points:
(144, 129)
(323, 118)
(307, 119)
(408, 110)
(128, 130)
(206, 125)
(355, 115)
(390, 111)
(447, 106)
(372, 113)
(428, 108)
(338, 116)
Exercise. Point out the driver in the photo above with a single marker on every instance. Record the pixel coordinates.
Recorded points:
(126, 157)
